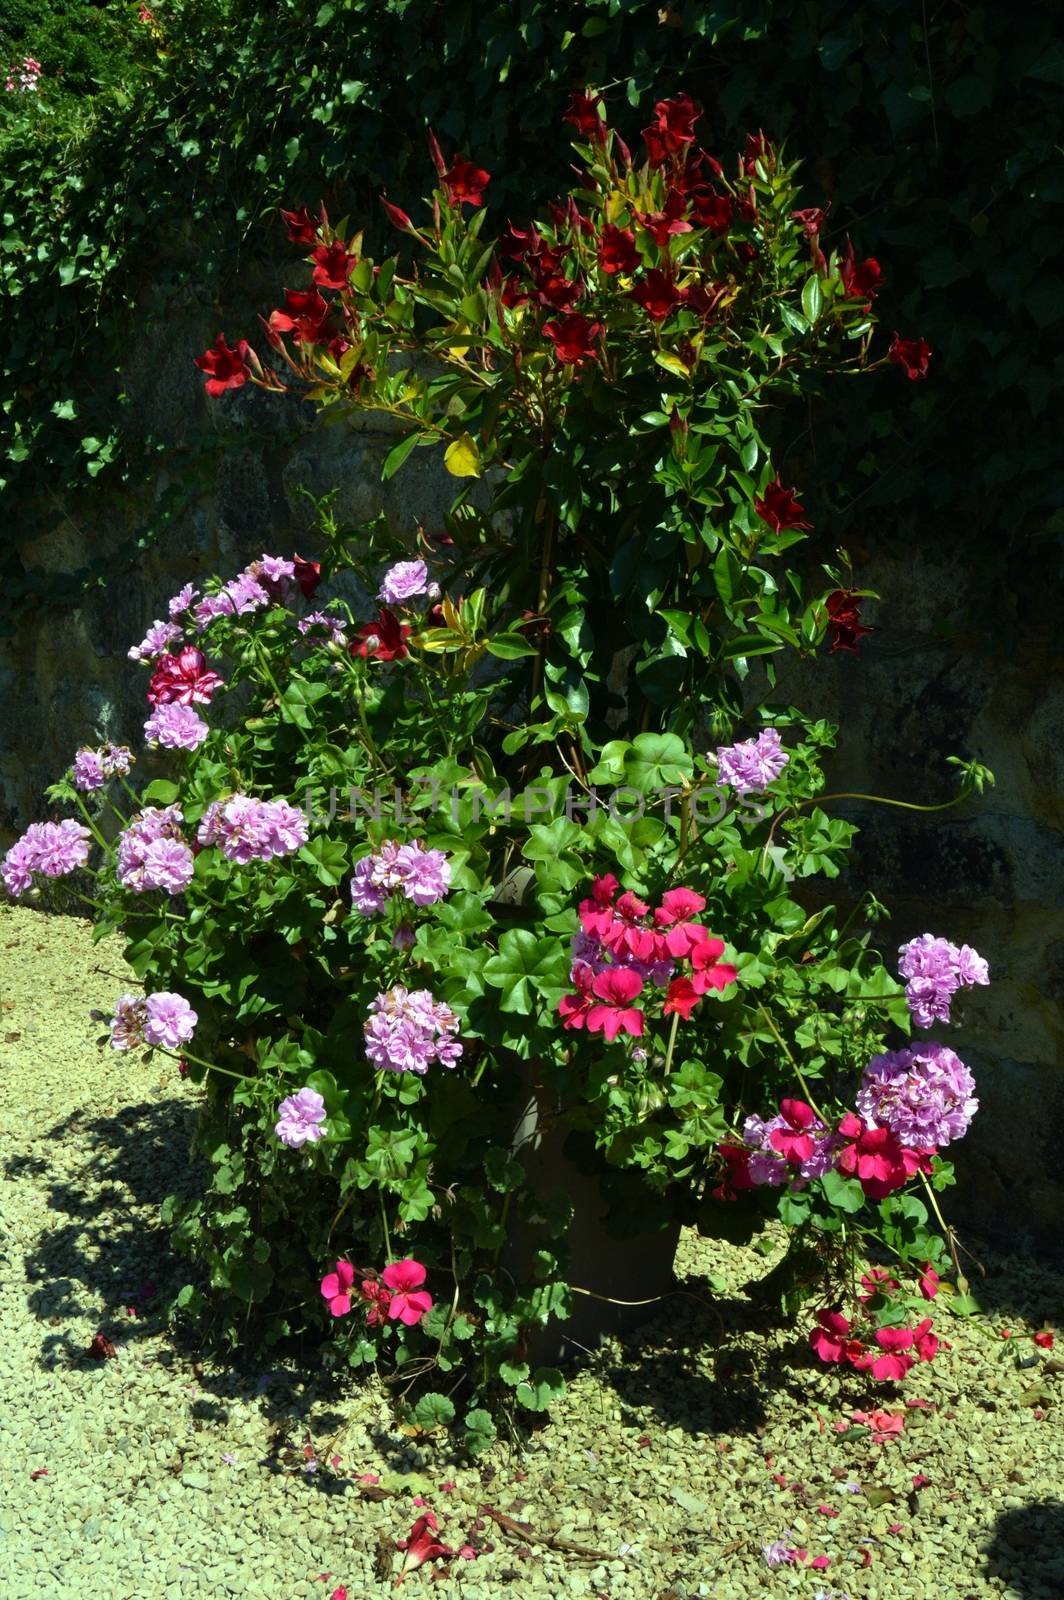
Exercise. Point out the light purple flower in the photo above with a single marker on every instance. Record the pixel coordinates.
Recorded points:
(88, 771)
(127, 1024)
(408, 1030)
(170, 1020)
(403, 581)
(935, 970)
(158, 639)
(169, 865)
(778, 1554)
(924, 1094)
(54, 848)
(274, 573)
(19, 864)
(117, 760)
(299, 1119)
(323, 619)
(181, 601)
(749, 767)
(423, 876)
(153, 824)
(247, 829)
(175, 727)
(766, 1165)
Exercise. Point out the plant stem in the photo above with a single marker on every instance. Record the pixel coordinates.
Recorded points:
(186, 1055)
(384, 1225)
(797, 1069)
(962, 1281)
(672, 1042)
(93, 829)
(881, 800)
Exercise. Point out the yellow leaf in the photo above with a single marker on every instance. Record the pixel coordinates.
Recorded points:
(462, 458)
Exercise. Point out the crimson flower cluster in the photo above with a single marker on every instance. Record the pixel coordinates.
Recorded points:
(623, 945)
(887, 1352)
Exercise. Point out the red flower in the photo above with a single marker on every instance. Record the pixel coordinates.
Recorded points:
(794, 1142)
(676, 912)
(305, 315)
(780, 507)
(657, 294)
(302, 229)
(860, 279)
(758, 149)
(681, 997)
(573, 338)
(512, 293)
(661, 225)
(226, 369)
(398, 218)
(876, 1158)
(736, 1173)
(308, 575)
(912, 354)
(420, 1546)
(812, 219)
(558, 292)
(573, 1008)
(583, 112)
(711, 210)
(616, 250)
(333, 265)
(709, 972)
(929, 1282)
(673, 128)
(408, 1302)
(614, 988)
(465, 183)
(516, 243)
(845, 627)
(383, 640)
(626, 934)
(830, 1339)
(1044, 1339)
(703, 302)
(101, 1348)
(183, 679)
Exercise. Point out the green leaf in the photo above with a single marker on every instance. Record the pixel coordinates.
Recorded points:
(434, 1411)
(545, 1387)
(531, 971)
(845, 1194)
(398, 454)
(328, 857)
(480, 1433)
(811, 298)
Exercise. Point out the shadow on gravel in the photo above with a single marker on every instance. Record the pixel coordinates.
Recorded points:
(1026, 1550)
(101, 1248)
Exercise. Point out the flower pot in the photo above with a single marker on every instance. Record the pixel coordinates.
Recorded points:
(619, 1268)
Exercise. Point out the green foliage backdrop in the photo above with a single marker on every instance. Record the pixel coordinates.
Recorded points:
(935, 130)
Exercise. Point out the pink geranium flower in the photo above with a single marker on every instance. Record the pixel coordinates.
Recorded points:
(336, 1287)
(421, 1545)
(794, 1142)
(409, 1302)
(614, 988)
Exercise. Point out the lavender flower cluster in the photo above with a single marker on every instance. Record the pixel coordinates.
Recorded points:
(588, 951)
(175, 727)
(423, 876)
(749, 767)
(405, 581)
(300, 1118)
(94, 768)
(54, 848)
(935, 970)
(265, 582)
(153, 852)
(925, 1095)
(162, 1019)
(246, 829)
(409, 1030)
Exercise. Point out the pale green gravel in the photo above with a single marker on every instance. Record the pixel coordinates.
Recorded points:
(665, 1448)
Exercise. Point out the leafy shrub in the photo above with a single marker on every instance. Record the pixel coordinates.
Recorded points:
(529, 861)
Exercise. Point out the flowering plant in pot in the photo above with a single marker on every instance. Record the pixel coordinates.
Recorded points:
(529, 829)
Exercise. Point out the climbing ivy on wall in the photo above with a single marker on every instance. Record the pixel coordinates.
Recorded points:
(935, 131)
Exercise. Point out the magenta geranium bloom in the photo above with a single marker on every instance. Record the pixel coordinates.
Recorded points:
(409, 1301)
(336, 1287)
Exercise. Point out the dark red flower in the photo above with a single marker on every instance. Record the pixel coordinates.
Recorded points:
(711, 210)
(812, 219)
(758, 149)
(307, 575)
(616, 250)
(746, 252)
(516, 243)
(383, 640)
(226, 369)
(661, 225)
(912, 354)
(673, 128)
(877, 1158)
(845, 627)
(333, 265)
(513, 292)
(398, 218)
(657, 294)
(736, 1171)
(681, 997)
(702, 301)
(780, 507)
(101, 1348)
(305, 315)
(558, 292)
(183, 679)
(583, 112)
(302, 229)
(465, 183)
(861, 280)
(573, 338)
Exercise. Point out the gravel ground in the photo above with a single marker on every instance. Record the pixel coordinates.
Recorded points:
(676, 1457)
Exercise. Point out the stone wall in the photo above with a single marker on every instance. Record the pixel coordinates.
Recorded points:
(964, 661)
